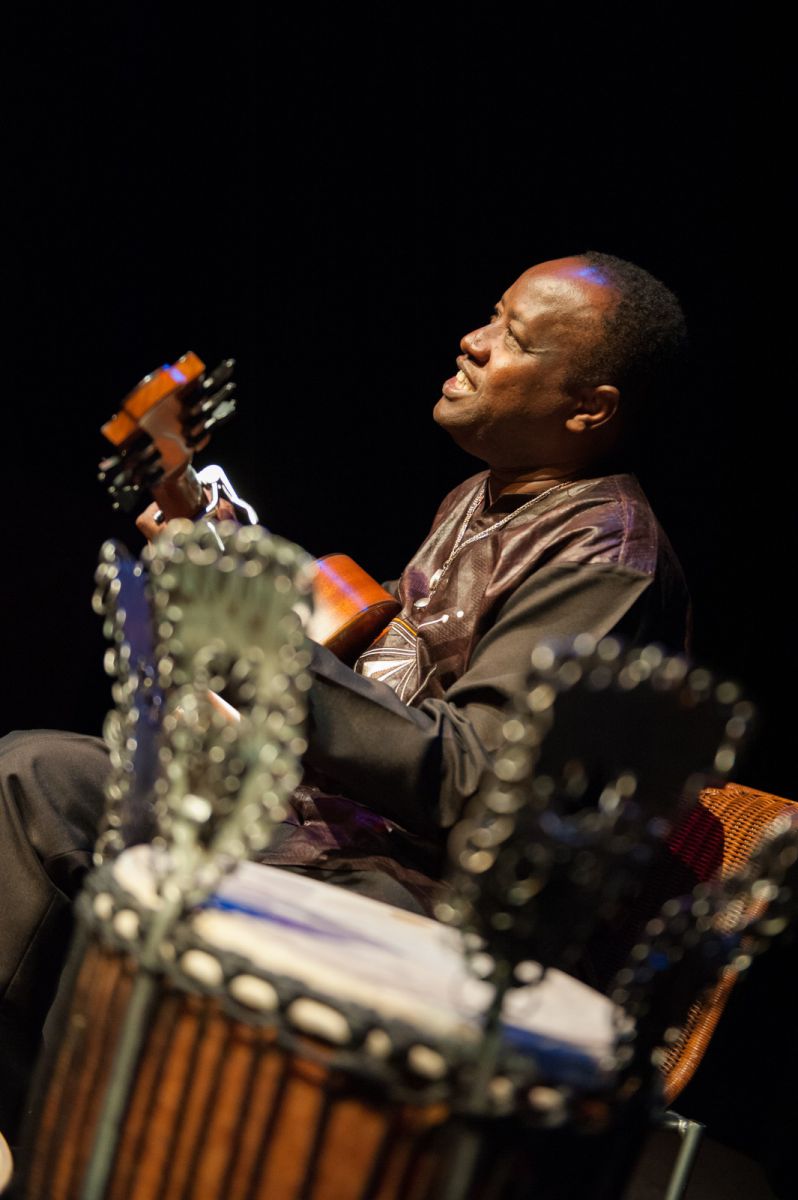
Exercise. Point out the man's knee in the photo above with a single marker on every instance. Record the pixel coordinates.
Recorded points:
(52, 787)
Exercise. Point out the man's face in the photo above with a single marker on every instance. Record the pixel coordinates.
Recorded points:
(510, 400)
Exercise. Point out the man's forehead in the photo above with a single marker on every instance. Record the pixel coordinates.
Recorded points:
(566, 284)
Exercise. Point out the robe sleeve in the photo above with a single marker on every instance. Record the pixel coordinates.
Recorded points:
(419, 766)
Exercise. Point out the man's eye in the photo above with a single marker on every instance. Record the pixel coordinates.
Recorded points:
(511, 337)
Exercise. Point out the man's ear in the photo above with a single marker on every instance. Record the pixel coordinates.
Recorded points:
(594, 407)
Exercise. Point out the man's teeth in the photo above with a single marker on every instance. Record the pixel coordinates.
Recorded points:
(464, 381)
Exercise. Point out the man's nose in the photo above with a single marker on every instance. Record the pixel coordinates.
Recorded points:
(477, 344)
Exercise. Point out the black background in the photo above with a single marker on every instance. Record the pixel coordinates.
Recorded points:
(334, 198)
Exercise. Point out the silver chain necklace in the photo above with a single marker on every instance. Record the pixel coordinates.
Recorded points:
(460, 544)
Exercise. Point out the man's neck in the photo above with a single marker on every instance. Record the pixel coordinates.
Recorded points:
(530, 483)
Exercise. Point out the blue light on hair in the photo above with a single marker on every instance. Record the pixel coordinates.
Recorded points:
(593, 275)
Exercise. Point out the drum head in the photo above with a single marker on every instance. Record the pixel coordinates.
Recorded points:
(360, 953)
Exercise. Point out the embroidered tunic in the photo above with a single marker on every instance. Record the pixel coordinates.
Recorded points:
(407, 736)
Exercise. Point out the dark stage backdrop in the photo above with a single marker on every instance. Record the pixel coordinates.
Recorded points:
(334, 200)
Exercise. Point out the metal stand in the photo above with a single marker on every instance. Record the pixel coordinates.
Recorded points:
(468, 1142)
(691, 1133)
(133, 1032)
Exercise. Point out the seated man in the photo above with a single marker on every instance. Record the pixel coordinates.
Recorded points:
(552, 539)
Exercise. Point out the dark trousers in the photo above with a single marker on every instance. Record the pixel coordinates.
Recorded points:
(51, 799)
(51, 803)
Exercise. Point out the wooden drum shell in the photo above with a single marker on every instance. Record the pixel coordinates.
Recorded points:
(218, 1109)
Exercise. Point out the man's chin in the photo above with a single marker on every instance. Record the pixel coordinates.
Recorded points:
(452, 414)
(458, 427)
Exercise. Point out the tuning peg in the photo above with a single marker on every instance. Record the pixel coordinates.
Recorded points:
(142, 450)
(136, 448)
(208, 403)
(125, 497)
(120, 480)
(219, 375)
(147, 452)
(212, 412)
(138, 461)
(218, 397)
(221, 413)
(107, 465)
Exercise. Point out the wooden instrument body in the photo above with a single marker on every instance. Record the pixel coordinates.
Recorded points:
(350, 609)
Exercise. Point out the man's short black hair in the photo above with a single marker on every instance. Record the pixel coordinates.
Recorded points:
(644, 343)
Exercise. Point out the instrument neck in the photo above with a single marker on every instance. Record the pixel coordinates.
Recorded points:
(180, 495)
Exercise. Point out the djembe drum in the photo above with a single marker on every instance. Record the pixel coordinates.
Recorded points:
(304, 1041)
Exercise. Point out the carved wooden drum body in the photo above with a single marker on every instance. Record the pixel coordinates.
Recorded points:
(302, 1042)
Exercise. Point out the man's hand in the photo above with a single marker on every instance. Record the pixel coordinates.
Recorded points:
(151, 521)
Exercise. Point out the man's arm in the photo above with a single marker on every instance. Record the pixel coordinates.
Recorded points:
(418, 766)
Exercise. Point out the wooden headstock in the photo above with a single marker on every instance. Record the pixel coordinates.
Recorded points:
(160, 424)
